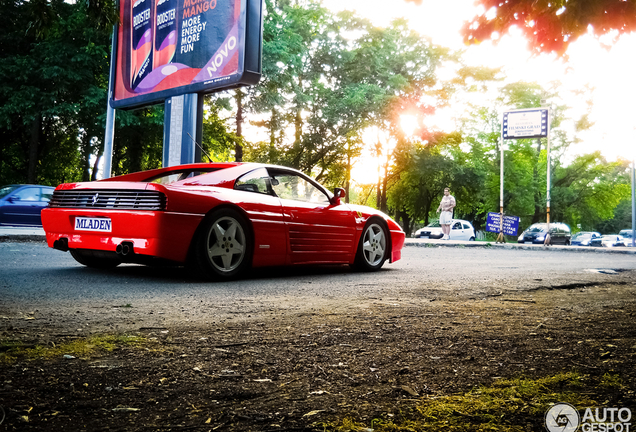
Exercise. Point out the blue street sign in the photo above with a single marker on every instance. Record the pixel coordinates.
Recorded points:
(510, 224)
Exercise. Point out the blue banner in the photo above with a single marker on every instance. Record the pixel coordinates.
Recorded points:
(510, 224)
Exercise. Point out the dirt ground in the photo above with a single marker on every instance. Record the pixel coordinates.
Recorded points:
(306, 370)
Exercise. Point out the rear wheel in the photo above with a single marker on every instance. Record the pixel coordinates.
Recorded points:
(471, 239)
(224, 244)
(95, 259)
(373, 247)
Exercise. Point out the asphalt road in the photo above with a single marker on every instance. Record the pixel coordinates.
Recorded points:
(47, 288)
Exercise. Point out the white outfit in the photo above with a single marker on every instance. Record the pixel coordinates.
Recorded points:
(447, 204)
(445, 217)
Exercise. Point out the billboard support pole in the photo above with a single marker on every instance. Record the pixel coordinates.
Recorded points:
(180, 129)
(109, 133)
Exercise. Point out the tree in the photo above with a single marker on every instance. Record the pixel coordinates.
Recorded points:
(326, 78)
(587, 191)
(53, 91)
(427, 170)
(551, 25)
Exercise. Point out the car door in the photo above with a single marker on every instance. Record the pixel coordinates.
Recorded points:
(318, 231)
(23, 207)
(458, 232)
(265, 213)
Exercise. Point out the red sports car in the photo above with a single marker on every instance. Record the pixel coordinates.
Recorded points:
(221, 218)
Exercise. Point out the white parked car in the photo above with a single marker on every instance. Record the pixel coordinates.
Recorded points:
(627, 236)
(460, 230)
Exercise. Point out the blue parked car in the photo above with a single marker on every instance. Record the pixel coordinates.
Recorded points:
(584, 238)
(20, 205)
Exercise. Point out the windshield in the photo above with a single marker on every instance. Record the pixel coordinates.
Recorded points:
(536, 228)
(6, 190)
(433, 225)
(626, 233)
(581, 236)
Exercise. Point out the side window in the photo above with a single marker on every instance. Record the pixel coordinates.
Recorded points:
(29, 194)
(457, 225)
(293, 187)
(46, 194)
(466, 226)
(254, 181)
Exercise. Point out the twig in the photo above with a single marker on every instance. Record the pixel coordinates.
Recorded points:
(585, 366)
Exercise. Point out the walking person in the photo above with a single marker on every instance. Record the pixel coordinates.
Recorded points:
(446, 207)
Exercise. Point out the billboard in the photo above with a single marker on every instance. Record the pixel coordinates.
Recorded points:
(167, 48)
(528, 123)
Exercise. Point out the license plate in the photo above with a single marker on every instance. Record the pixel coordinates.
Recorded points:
(93, 224)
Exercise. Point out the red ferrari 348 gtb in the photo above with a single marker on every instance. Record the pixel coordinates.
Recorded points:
(222, 218)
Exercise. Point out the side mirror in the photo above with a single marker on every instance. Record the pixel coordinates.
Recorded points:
(13, 199)
(337, 194)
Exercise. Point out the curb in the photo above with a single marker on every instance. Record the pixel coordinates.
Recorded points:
(476, 244)
(22, 238)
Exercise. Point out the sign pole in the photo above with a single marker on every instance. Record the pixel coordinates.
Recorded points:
(500, 237)
(633, 204)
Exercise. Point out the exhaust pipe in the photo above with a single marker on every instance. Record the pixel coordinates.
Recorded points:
(125, 248)
(61, 244)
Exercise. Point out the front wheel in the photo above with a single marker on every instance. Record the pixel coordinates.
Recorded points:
(224, 244)
(373, 247)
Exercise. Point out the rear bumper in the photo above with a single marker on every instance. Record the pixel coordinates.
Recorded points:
(159, 234)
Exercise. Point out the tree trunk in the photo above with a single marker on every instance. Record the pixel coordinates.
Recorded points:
(34, 142)
(348, 182)
(238, 148)
(385, 181)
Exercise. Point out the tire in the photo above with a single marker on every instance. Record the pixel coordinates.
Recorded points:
(471, 239)
(373, 247)
(223, 247)
(95, 259)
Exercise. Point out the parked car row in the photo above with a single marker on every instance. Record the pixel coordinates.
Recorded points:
(536, 234)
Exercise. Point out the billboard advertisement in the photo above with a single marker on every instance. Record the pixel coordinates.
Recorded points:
(171, 47)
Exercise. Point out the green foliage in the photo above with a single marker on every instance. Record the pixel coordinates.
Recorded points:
(506, 405)
(326, 78)
(53, 77)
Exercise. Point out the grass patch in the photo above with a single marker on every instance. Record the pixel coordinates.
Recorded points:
(11, 351)
(611, 381)
(507, 405)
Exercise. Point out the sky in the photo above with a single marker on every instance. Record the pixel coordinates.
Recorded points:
(607, 70)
